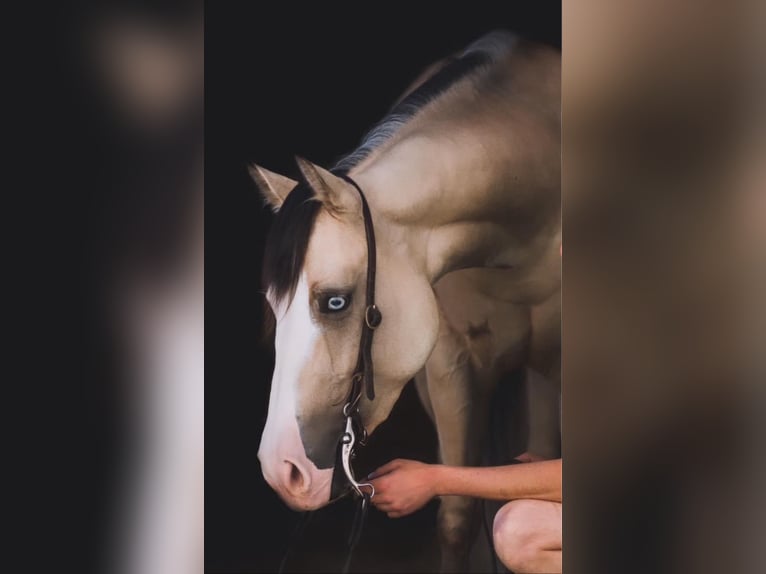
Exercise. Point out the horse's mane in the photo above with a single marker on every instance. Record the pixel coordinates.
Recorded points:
(291, 228)
(455, 69)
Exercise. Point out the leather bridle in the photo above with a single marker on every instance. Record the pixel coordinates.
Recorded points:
(362, 380)
(372, 315)
(363, 377)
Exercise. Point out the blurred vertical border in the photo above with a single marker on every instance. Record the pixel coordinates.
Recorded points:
(663, 323)
(121, 126)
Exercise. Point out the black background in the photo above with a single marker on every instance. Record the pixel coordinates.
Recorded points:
(310, 83)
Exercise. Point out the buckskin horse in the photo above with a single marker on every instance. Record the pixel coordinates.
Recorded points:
(460, 281)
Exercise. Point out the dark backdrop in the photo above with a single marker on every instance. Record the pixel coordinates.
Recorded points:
(310, 83)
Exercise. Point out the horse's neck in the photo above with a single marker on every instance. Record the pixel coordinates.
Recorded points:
(456, 204)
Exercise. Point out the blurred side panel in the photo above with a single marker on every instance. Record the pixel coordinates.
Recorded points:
(141, 72)
(664, 283)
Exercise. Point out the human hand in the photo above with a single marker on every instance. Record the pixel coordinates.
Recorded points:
(402, 486)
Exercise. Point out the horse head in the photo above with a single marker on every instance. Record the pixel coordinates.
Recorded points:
(315, 269)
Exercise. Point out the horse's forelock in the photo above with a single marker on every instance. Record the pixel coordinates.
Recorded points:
(287, 242)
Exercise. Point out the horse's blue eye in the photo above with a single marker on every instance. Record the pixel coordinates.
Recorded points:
(330, 303)
(336, 303)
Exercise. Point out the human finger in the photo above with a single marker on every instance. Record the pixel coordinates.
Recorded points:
(386, 468)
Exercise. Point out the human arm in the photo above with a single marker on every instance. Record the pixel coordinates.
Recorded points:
(536, 480)
(404, 486)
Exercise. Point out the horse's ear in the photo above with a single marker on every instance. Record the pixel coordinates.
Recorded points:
(334, 192)
(274, 187)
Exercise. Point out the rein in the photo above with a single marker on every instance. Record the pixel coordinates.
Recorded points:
(354, 432)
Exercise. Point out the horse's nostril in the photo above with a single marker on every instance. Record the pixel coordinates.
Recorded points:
(296, 479)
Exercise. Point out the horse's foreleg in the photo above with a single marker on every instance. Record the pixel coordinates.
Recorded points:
(543, 385)
(543, 409)
(458, 417)
(421, 385)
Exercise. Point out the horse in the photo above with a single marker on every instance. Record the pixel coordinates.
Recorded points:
(462, 180)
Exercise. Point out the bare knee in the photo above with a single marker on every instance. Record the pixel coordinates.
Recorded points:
(517, 538)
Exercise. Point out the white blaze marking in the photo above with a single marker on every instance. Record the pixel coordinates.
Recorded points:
(296, 336)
